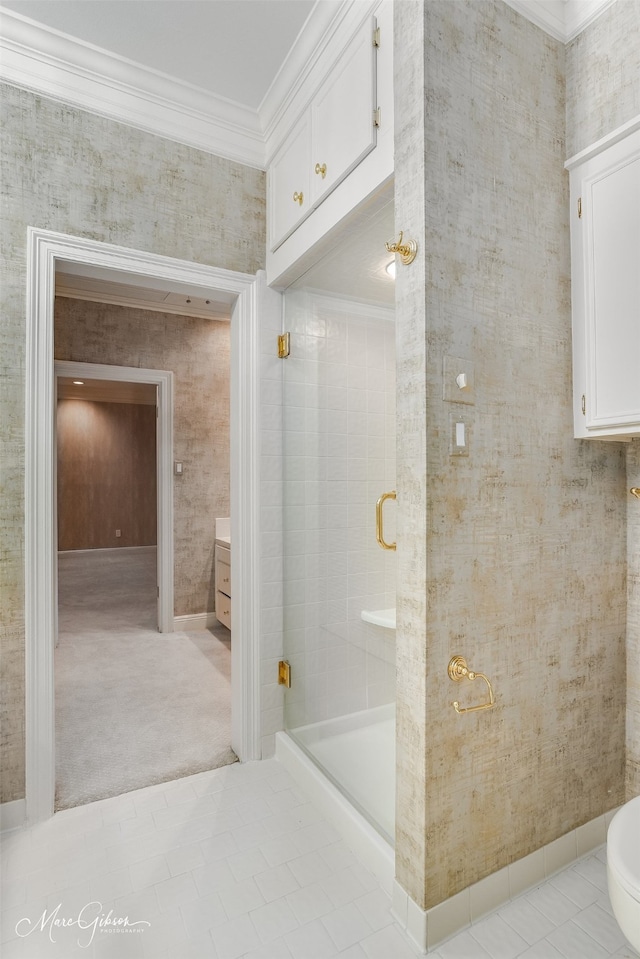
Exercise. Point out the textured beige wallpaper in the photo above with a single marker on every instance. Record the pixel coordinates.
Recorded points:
(603, 92)
(67, 170)
(633, 625)
(197, 351)
(603, 75)
(411, 453)
(525, 545)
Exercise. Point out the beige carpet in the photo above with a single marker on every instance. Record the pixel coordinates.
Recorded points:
(133, 706)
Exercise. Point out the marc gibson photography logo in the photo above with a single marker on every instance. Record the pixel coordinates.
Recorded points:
(90, 919)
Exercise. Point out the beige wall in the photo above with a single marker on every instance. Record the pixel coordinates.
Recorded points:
(106, 478)
(523, 557)
(71, 171)
(411, 453)
(603, 92)
(197, 352)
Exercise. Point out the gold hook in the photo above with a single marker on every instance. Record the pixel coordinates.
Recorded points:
(458, 671)
(635, 491)
(407, 250)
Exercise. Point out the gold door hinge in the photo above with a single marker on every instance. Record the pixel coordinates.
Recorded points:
(579, 207)
(284, 674)
(376, 117)
(284, 345)
(376, 36)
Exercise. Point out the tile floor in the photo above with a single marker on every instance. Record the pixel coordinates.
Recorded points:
(238, 863)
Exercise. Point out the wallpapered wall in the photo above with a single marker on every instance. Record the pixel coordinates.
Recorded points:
(603, 92)
(523, 557)
(71, 171)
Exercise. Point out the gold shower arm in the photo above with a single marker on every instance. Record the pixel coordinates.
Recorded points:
(458, 671)
(379, 523)
(635, 491)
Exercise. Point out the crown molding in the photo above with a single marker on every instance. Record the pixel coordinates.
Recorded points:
(581, 13)
(55, 65)
(562, 19)
(58, 66)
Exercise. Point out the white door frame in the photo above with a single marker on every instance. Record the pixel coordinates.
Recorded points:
(163, 380)
(44, 250)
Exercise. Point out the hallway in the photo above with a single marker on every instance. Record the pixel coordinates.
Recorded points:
(134, 707)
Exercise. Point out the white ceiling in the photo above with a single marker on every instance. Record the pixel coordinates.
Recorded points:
(230, 48)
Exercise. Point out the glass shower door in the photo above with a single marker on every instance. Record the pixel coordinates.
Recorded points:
(339, 456)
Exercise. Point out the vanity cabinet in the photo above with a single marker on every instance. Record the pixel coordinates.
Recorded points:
(223, 585)
(334, 134)
(605, 286)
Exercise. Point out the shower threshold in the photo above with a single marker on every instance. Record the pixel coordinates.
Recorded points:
(357, 752)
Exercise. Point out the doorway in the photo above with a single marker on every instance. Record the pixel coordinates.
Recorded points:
(247, 297)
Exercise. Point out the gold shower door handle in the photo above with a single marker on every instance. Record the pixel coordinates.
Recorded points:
(379, 522)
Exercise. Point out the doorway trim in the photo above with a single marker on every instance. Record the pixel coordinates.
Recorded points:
(45, 249)
(163, 380)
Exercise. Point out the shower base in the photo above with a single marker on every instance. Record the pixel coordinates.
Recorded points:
(347, 765)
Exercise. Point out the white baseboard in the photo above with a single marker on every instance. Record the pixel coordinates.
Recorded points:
(12, 814)
(107, 549)
(194, 622)
(431, 927)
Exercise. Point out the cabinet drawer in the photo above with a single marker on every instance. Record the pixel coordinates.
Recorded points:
(223, 577)
(223, 609)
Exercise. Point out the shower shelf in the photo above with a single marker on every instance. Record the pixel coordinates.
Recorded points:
(380, 617)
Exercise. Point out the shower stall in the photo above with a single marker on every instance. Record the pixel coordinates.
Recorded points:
(339, 584)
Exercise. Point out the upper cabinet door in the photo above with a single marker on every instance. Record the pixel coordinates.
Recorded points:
(343, 127)
(289, 179)
(606, 290)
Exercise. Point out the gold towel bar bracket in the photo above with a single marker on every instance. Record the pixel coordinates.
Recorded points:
(635, 491)
(459, 671)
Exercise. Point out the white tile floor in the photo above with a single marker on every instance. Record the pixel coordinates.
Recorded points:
(238, 863)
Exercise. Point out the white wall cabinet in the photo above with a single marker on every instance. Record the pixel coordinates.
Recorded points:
(605, 286)
(290, 183)
(335, 133)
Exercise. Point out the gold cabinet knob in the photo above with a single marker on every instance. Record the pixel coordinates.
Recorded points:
(298, 198)
(322, 170)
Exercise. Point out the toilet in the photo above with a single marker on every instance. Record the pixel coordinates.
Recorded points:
(623, 869)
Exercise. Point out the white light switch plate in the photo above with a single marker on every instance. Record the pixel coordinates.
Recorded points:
(452, 368)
